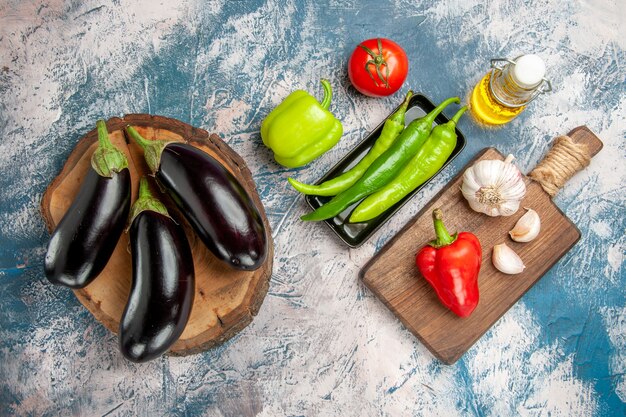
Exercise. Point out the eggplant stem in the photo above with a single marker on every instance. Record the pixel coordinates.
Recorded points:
(146, 201)
(144, 189)
(103, 135)
(152, 149)
(107, 159)
(137, 137)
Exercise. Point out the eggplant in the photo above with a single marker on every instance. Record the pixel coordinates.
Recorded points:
(214, 202)
(162, 289)
(86, 236)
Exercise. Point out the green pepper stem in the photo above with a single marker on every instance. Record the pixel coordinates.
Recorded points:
(107, 159)
(458, 115)
(433, 114)
(328, 94)
(146, 201)
(399, 115)
(443, 237)
(152, 149)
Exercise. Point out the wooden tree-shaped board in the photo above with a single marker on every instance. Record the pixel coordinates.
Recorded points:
(226, 300)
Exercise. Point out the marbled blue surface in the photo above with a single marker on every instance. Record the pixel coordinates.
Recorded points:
(322, 344)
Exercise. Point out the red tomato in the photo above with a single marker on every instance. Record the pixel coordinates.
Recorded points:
(378, 67)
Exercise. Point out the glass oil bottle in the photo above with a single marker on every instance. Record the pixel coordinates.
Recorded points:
(508, 88)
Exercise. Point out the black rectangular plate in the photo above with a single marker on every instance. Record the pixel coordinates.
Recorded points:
(355, 234)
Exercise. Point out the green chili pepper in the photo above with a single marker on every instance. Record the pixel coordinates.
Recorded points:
(428, 160)
(392, 128)
(300, 129)
(385, 167)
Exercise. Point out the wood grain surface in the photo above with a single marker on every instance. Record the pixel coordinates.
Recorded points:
(394, 278)
(226, 299)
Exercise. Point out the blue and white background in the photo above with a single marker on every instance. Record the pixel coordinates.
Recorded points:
(322, 344)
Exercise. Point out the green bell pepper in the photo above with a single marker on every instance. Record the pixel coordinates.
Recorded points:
(393, 126)
(300, 129)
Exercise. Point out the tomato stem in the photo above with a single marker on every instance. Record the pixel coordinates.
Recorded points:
(377, 61)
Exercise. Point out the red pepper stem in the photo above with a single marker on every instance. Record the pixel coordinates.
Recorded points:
(328, 94)
(443, 237)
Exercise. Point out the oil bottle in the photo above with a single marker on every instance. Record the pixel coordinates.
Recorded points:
(508, 88)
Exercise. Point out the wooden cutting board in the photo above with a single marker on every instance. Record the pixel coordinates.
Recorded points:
(394, 278)
(226, 300)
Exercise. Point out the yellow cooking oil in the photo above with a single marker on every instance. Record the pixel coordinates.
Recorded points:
(486, 108)
(504, 92)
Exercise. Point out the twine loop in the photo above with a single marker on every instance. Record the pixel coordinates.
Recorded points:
(562, 161)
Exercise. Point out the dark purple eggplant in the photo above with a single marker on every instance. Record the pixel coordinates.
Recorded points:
(162, 291)
(86, 236)
(211, 198)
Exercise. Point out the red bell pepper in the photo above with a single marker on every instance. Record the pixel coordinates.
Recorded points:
(451, 265)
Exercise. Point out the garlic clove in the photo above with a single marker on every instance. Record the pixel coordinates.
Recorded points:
(506, 260)
(527, 227)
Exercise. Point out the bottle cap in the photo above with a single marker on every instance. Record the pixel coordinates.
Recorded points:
(529, 71)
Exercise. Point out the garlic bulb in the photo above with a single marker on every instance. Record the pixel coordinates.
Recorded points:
(527, 227)
(506, 260)
(494, 187)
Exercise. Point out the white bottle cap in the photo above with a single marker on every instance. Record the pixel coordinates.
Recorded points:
(529, 70)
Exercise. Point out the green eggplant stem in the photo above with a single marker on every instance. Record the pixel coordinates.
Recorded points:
(443, 237)
(107, 159)
(328, 94)
(146, 201)
(152, 149)
(458, 115)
